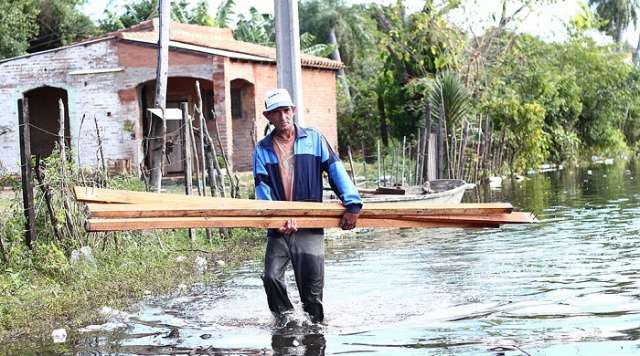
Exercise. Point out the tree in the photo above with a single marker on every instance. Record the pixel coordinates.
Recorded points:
(17, 26)
(619, 14)
(60, 22)
(257, 28)
(142, 10)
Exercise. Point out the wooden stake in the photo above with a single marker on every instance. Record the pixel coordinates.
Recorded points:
(427, 137)
(186, 149)
(418, 164)
(477, 165)
(100, 151)
(463, 146)
(200, 165)
(404, 146)
(379, 163)
(63, 175)
(227, 167)
(364, 164)
(394, 166)
(353, 171)
(46, 191)
(25, 168)
(203, 128)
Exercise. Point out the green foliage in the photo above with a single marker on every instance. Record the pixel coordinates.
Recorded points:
(60, 23)
(618, 15)
(49, 259)
(257, 28)
(142, 10)
(17, 26)
(37, 25)
(450, 99)
(224, 13)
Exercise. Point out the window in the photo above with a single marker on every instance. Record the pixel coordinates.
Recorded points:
(236, 103)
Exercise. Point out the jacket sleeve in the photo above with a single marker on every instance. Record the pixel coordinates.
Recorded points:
(260, 177)
(338, 178)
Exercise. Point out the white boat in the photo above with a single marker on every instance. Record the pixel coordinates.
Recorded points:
(435, 191)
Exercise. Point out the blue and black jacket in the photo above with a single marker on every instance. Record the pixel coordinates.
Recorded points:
(313, 155)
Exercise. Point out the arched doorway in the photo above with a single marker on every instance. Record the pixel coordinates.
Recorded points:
(44, 118)
(243, 118)
(179, 90)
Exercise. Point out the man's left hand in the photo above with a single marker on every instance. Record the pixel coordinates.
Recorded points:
(349, 220)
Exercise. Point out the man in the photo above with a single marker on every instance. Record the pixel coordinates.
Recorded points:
(288, 165)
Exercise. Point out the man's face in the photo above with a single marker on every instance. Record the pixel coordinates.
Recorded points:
(281, 118)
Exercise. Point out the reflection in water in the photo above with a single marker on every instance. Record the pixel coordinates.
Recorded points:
(307, 344)
(568, 285)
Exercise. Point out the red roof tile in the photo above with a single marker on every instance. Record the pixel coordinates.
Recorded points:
(215, 38)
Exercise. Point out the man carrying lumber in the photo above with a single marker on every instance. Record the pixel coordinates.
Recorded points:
(288, 165)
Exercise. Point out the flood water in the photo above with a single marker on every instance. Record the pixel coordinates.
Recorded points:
(569, 285)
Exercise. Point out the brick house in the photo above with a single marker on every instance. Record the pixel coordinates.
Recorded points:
(112, 78)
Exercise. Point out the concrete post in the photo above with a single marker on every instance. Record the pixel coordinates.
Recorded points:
(288, 52)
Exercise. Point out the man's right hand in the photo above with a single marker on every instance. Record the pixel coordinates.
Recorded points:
(289, 227)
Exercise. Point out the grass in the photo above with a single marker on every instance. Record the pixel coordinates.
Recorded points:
(34, 301)
(41, 289)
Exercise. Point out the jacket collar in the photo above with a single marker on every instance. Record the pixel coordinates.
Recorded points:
(267, 142)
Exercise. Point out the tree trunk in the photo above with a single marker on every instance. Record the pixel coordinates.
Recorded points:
(342, 77)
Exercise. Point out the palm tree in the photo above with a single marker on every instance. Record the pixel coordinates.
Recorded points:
(340, 25)
(619, 14)
(451, 106)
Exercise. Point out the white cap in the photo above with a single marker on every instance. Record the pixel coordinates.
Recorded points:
(277, 98)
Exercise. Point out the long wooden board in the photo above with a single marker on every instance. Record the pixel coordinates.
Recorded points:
(113, 196)
(504, 218)
(288, 209)
(96, 224)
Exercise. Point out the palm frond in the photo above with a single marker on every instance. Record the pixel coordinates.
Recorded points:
(224, 13)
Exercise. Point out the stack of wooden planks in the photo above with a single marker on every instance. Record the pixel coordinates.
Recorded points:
(118, 210)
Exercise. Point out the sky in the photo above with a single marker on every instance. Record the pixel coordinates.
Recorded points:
(547, 22)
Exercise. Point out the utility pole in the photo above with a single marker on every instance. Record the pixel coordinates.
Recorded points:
(158, 153)
(288, 52)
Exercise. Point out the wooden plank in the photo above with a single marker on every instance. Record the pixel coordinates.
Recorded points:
(101, 195)
(244, 207)
(504, 218)
(96, 224)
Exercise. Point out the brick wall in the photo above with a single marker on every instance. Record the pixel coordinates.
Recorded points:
(113, 97)
(319, 91)
(91, 95)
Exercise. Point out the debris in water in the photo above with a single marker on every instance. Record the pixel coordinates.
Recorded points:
(174, 333)
(59, 335)
(201, 264)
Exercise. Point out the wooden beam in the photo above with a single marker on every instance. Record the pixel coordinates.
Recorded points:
(243, 207)
(94, 225)
(503, 218)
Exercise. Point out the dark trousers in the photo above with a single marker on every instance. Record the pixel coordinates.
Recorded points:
(305, 250)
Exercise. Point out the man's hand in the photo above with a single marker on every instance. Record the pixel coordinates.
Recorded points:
(349, 220)
(289, 227)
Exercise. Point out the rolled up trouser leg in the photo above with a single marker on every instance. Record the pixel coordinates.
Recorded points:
(307, 259)
(275, 263)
